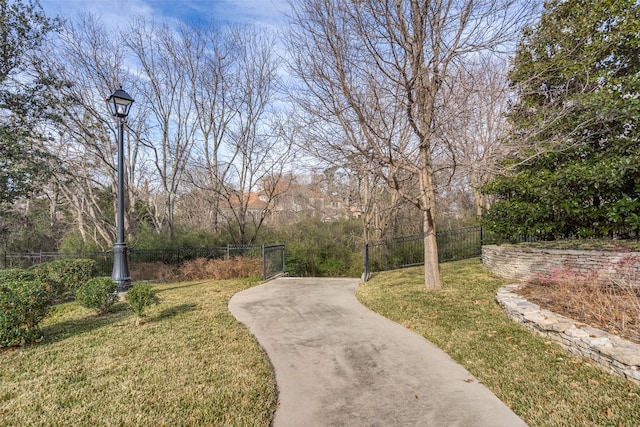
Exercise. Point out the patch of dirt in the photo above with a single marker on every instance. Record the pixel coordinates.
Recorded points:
(614, 309)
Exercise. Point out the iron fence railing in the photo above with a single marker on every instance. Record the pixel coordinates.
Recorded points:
(104, 260)
(272, 261)
(401, 252)
(459, 244)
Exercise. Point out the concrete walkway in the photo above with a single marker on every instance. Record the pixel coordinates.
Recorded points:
(339, 364)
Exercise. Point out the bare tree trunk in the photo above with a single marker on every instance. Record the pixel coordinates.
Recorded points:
(428, 207)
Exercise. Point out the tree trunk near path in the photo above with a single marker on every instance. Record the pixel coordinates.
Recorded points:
(428, 205)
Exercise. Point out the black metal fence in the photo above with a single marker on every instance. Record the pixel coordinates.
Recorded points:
(104, 260)
(400, 252)
(272, 261)
(391, 254)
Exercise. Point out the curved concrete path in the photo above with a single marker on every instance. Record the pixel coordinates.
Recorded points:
(337, 363)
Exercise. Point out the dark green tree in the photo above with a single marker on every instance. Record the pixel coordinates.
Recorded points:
(576, 142)
(23, 103)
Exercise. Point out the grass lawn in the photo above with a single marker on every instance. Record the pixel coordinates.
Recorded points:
(191, 363)
(542, 383)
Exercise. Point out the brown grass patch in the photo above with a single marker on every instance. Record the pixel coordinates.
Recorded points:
(613, 306)
(198, 269)
(220, 269)
(155, 271)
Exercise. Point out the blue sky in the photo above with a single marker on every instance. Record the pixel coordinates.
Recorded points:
(113, 12)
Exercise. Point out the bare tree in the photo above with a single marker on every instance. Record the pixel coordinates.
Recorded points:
(476, 133)
(168, 93)
(241, 141)
(382, 71)
(88, 66)
(215, 96)
(204, 100)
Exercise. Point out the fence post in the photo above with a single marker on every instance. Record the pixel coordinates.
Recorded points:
(366, 261)
(264, 264)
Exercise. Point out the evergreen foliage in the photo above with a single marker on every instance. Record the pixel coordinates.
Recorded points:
(98, 294)
(576, 168)
(23, 162)
(16, 274)
(23, 305)
(316, 248)
(65, 275)
(141, 296)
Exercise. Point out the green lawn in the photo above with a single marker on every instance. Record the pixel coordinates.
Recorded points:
(191, 363)
(543, 384)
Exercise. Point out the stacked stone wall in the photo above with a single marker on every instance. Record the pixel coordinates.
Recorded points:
(525, 263)
(614, 354)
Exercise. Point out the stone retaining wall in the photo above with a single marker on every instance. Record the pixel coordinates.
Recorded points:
(618, 356)
(525, 263)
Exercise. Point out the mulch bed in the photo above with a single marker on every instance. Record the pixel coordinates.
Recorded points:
(613, 309)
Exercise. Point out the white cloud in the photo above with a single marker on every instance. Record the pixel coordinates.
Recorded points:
(113, 13)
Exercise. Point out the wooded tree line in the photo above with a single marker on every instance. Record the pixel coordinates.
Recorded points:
(204, 121)
(417, 102)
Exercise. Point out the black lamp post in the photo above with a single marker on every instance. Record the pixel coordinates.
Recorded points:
(119, 104)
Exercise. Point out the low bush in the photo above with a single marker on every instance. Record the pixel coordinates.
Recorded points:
(220, 269)
(316, 248)
(66, 275)
(183, 237)
(141, 296)
(13, 274)
(98, 294)
(23, 305)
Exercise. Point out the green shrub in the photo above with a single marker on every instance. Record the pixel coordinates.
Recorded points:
(66, 275)
(23, 305)
(73, 243)
(140, 296)
(98, 294)
(148, 238)
(316, 248)
(16, 274)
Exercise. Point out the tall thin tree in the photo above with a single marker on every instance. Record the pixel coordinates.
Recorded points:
(384, 70)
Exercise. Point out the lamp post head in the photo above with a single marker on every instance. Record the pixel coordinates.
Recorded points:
(120, 103)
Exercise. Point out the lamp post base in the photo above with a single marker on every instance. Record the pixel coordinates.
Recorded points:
(120, 273)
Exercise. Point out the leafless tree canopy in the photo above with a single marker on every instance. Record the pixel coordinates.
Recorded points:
(204, 121)
(402, 98)
(382, 74)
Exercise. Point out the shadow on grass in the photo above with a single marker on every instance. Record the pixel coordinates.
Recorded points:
(180, 286)
(60, 331)
(170, 312)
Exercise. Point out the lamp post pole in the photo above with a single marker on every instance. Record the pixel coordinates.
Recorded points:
(119, 104)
